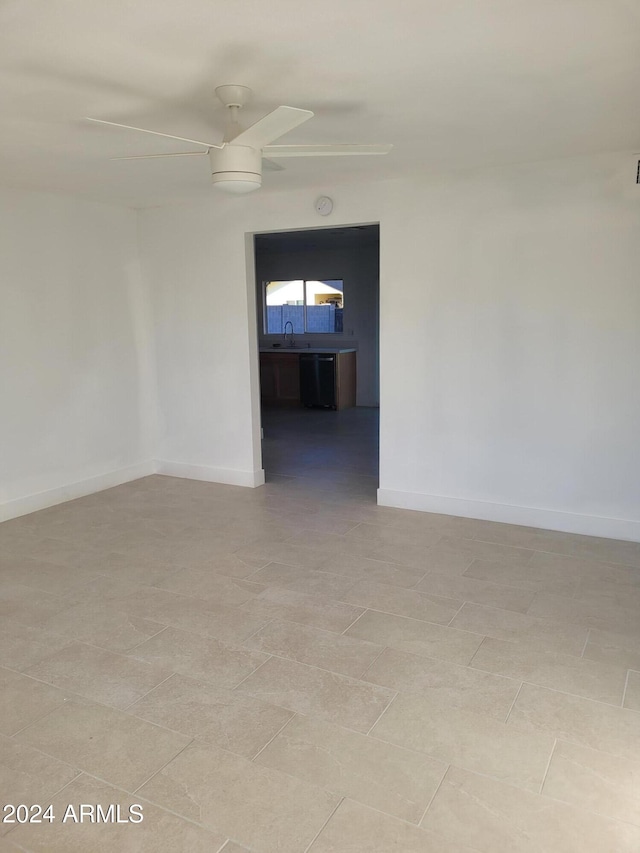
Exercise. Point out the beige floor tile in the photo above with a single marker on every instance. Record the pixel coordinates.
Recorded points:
(105, 590)
(23, 700)
(48, 550)
(402, 602)
(352, 566)
(110, 744)
(135, 571)
(46, 577)
(616, 649)
(357, 829)
(318, 693)
(231, 720)
(283, 552)
(205, 584)
(319, 520)
(490, 816)
(531, 576)
(520, 627)
(463, 687)
(412, 635)
(27, 606)
(315, 647)
(253, 805)
(394, 780)
(615, 594)
(303, 580)
(102, 626)
(229, 624)
(548, 668)
(591, 570)
(416, 557)
(385, 535)
(314, 610)
(632, 693)
(600, 612)
(328, 543)
(594, 780)
(577, 720)
(98, 674)
(231, 565)
(28, 776)
(473, 741)
(444, 561)
(476, 591)
(158, 832)
(195, 557)
(24, 645)
(477, 550)
(592, 548)
(185, 550)
(198, 657)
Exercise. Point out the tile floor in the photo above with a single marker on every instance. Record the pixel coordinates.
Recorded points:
(293, 669)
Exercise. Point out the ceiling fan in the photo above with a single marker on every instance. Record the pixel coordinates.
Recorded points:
(236, 162)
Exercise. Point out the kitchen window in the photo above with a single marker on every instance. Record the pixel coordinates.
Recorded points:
(312, 306)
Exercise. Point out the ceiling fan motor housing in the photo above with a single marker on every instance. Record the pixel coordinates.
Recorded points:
(236, 163)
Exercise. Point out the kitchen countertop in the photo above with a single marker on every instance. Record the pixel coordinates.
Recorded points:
(335, 350)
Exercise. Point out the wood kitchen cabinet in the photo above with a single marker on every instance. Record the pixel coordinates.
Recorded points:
(280, 378)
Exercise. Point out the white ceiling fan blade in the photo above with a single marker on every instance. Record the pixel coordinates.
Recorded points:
(271, 166)
(151, 156)
(323, 150)
(274, 125)
(155, 132)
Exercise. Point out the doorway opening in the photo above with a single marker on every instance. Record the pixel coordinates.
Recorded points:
(317, 312)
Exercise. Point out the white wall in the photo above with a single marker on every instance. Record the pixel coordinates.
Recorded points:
(515, 308)
(359, 269)
(76, 385)
(510, 322)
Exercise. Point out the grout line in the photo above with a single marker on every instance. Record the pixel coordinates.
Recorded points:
(253, 672)
(586, 643)
(253, 634)
(137, 645)
(160, 769)
(77, 776)
(280, 730)
(515, 699)
(315, 837)
(624, 692)
(448, 625)
(432, 798)
(367, 668)
(358, 617)
(156, 805)
(383, 712)
(478, 669)
(579, 696)
(544, 778)
(135, 701)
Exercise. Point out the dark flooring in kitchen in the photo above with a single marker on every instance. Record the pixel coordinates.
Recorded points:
(334, 449)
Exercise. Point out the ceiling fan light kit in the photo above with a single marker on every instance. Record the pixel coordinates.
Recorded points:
(236, 169)
(236, 163)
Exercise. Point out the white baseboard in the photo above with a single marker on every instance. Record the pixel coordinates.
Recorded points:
(228, 476)
(70, 491)
(548, 519)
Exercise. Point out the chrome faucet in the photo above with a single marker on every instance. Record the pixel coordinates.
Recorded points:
(291, 341)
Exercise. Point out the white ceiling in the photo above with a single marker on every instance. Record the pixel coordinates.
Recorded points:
(453, 84)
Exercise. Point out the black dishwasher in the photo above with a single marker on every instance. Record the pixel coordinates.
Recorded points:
(318, 379)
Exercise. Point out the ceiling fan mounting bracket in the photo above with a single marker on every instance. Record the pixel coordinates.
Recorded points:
(233, 95)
